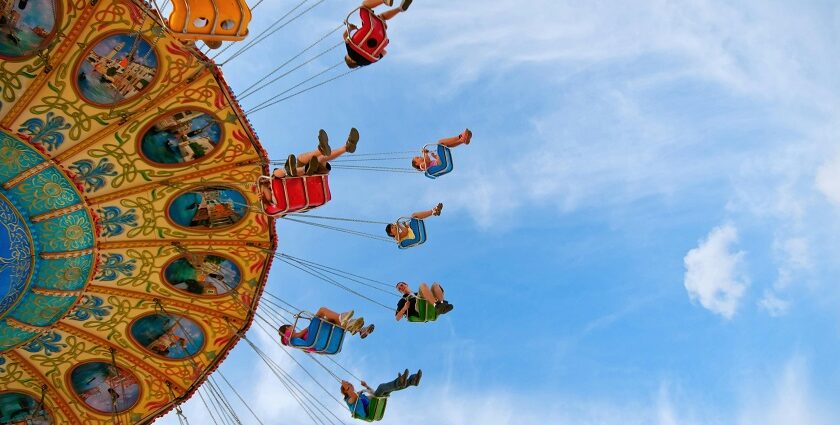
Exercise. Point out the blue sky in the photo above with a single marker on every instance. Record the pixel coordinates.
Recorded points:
(644, 230)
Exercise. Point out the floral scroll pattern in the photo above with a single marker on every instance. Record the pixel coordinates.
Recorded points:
(49, 343)
(47, 131)
(113, 265)
(93, 175)
(113, 220)
(90, 306)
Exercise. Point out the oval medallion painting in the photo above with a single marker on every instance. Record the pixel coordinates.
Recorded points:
(203, 274)
(18, 408)
(182, 137)
(94, 382)
(116, 69)
(208, 208)
(170, 336)
(26, 27)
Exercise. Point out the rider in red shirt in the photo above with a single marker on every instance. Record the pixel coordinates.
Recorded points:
(366, 45)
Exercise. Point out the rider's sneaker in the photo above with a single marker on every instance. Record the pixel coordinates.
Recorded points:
(443, 307)
(324, 143)
(415, 379)
(367, 331)
(404, 5)
(312, 167)
(344, 318)
(291, 166)
(352, 140)
(355, 325)
(466, 136)
(402, 379)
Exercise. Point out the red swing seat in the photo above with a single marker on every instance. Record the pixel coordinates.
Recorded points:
(371, 39)
(295, 194)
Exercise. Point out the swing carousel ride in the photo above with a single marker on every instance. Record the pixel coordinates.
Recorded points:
(134, 241)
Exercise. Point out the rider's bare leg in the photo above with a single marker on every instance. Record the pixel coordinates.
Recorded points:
(390, 13)
(437, 291)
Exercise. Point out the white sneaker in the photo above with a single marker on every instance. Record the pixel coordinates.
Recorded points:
(344, 318)
(355, 325)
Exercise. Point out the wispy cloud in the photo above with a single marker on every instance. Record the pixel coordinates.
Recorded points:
(783, 399)
(793, 258)
(786, 399)
(828, 180)
(604, 60)
(713, 274)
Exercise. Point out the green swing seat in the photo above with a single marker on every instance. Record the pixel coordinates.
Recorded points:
(376, 409)
(425, 312)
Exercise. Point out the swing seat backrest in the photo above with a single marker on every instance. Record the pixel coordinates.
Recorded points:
(418, 228)
(373, 30)
(425, 312)
(296, 194)
(210, 20)
(376, 409)
(322, 338)
(445, 165)
(318, 190)
(330, 339)
(311, 336)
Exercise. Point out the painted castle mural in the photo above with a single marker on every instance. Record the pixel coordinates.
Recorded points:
(203, 274)
(208, 208)
(181, 137)
(26, 26)
(116, 69)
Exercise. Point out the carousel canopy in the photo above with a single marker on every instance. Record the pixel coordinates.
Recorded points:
(130, 257)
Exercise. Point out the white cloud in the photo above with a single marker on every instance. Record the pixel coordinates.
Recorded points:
(787, 400)
(737, 46)
(773, 305)
(782, 399)
(828, 180)
(793, 258)
(713, 272)
(607, 146)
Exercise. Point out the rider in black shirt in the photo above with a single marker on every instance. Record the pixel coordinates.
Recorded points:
(407, 305)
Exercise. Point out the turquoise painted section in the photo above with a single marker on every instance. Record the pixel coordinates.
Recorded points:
(11, 337)
(41, 310)
(71, 232)
(22, 241)
(66, 274)
(49, 190)
(16, 157)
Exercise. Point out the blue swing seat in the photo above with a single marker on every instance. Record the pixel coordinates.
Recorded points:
(323, 337)
(417, 227)
(445, 165)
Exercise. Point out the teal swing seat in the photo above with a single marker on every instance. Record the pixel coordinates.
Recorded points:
(445, 165)
(417, 227)
(323, 337)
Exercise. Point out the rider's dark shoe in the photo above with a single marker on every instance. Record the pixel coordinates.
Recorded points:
(352, 140)
(291, 166)
(324, 143)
